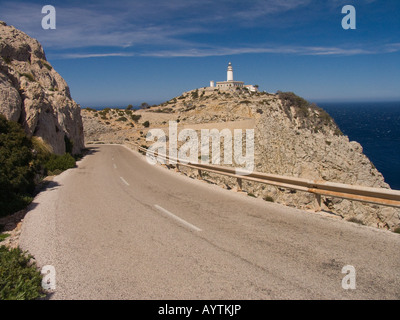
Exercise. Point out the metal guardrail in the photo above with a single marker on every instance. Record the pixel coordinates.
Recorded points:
(381, 196)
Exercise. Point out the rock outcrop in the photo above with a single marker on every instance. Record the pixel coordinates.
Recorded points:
(35, 95)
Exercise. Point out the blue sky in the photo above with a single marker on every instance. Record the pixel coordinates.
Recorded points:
(115, 53)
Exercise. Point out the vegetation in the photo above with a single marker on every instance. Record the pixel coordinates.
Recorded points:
(245, 102)
(146, 124)
(56, 163)
(48, 67)
(19, 278)
(30, 76)
(16, 172)
(195, 94)
(122, 119)
(23, 161)
(268, 198)
(355, 220)
(7, 60)
(3, 236)
(136, 117)
(307, 112)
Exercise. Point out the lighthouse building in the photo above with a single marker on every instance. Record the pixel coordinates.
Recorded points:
(229, 83)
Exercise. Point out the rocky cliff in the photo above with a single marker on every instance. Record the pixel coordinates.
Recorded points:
(35, 95)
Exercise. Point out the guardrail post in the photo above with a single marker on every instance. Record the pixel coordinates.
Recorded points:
(239, 184)
(199, 174)
(317, 202)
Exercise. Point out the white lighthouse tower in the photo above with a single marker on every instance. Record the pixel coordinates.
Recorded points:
(229, 76)
(229, 84)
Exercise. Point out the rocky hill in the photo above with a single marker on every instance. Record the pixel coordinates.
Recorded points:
(292, 137)
(35, 95)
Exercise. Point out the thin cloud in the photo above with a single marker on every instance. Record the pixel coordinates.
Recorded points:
(92, 55)
(226, 51)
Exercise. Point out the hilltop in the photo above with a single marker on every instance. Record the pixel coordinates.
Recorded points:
(292, 137)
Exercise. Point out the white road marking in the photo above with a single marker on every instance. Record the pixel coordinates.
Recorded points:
(124, 181)
(177, 218)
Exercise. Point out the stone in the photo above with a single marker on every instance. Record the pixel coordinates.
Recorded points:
(35, 95)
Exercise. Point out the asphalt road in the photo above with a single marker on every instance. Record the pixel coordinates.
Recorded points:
(116, 227)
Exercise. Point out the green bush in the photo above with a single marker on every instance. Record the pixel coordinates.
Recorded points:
(60, 163)
(146, 124)
(136, 117)
(23, 162)
(122, 119)
(16, 167)
(19, 279)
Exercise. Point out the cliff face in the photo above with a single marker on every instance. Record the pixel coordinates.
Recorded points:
(291, 137)
(34, 94)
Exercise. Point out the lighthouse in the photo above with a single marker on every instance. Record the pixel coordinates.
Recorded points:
(229, 84)
(229, 76)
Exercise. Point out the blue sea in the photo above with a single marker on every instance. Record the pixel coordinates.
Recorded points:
(376, 126)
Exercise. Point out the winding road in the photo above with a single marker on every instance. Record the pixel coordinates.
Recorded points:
(117, 227)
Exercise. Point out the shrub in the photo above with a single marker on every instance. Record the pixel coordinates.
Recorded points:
(48, 67)
(16, 170)
(60, 163)
(4, 236)
(268, 198)
(122, 119)
(195, 94)
(355, 220)
(136, 117)
(7, 60)
(30, 76)
(146, 124)
(19, 279)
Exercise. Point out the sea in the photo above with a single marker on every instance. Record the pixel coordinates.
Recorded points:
(376, 126)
